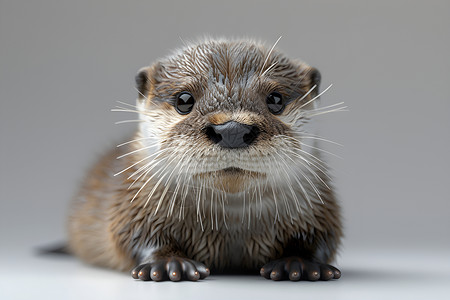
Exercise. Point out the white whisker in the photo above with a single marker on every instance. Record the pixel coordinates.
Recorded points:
(137, 150)
(321, 139)
(326, 107)
(269, 68)
(316, 97)
(145, 158)
(127, 104)
(145, 97)
(137, 140)
(329, 111)
(268, 55)
(129, 121)
(152, 192)
(123, 109)
(307, 93)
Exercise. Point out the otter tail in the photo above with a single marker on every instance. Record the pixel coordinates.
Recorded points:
(58, 249)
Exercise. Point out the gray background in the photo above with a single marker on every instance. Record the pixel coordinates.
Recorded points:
(64, 64)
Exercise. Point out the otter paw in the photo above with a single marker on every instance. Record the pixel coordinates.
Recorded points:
(295, 268)
(171, 268)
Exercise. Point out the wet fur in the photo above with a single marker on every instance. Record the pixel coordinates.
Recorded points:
(190, 200)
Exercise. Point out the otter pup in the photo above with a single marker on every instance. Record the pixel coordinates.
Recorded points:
(218, 174)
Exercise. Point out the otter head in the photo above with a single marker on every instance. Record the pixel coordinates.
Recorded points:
(227, 116)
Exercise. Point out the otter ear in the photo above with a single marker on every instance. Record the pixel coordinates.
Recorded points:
(143, 82)
(314, 77)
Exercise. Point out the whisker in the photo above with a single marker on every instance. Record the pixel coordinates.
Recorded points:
(326, 107)
(310, 170)
(151, 195)
(148, 166)
(215, 210)
(129, 121)
(312, 147)
(123, 109)
(243, 210)
(316, 97)
(135, 151)
(145, 97)
(184, 43)
(199, 217)
(319, 161)
(223, 210)
(269, 68)
(276, 205)
(321, 139)
(268, 55)
(145, 158)
(136, 140)
(127, 104)
(318, 166)
(308, 92)
(329, 111)
(140, 189)
(305, 193)
(283, 194)
(179, 183)
(211, 209)
(169, 179)
(175, 194)
(322, 150)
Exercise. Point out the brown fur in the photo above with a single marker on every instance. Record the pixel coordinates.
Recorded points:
(210, 224)
(219, 118)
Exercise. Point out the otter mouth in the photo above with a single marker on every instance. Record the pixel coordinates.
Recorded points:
(232, 179)
(232, 170)
(237, 172)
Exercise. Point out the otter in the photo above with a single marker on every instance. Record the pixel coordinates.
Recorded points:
(218, 176)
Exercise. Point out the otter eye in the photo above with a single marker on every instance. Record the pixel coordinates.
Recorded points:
(184, 103)
(275, 103)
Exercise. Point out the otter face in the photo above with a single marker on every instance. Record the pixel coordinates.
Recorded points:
(227, 115)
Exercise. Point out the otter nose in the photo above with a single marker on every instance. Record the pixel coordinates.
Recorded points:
(232, 134)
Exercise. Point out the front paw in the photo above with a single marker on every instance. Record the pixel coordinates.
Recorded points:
(171, 268)
(295, 268)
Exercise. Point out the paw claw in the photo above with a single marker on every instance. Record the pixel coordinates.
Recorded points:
(294, 276)
(156, 276)
(135, 271)
(196, 276)
(314, 276)
(275, 276)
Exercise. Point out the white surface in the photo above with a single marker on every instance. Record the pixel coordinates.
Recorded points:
(394, 274)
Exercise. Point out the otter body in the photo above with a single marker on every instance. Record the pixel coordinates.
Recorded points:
(218, 175)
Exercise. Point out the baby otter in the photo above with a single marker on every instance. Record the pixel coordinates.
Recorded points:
(218, 174)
